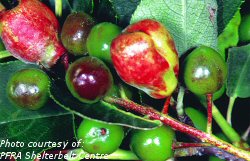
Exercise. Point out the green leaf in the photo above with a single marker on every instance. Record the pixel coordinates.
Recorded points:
(50, 123)
(81, 5)
(238, 82)
(124, 10)
(191, 23)
(230, 36)
(226, 11)
(100, 111)
(103, 11)
(115, 11)
(2, 47)
(4, 54)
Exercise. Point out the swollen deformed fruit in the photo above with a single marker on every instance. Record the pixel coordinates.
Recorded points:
(28, 88)
(205, 71)
(145, 57)
(98, 137)
(89, 79)
(153, 145)
(75, 31)
(30, 32)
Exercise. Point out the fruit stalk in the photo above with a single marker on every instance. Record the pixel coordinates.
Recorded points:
(225, 127)
(230, 109)
(209, 113)
(166, 105)
(65, 61)
(175, 124)
(179, 106)
(58, 7)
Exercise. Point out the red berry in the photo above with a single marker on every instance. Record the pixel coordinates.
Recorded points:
(89, 79)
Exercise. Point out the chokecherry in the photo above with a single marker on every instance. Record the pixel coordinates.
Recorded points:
(99, 137)
(205, 71)
(89, 79)
(75, 31)
(152, 145)
(28, 88)
(100, 38)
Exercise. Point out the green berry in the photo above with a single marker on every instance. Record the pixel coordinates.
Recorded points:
(153, 145)
(28, 88)
(205, 71)
(100, 38)
(99, 137)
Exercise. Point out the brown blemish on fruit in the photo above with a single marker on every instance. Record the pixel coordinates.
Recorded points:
(103, 131)
(96, 147)
(220, 79)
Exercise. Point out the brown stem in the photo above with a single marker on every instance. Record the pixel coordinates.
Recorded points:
(166, 105)
(179, 145)
(209, 113)
(175, 124)
(198, 151)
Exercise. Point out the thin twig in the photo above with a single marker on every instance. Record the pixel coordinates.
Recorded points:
(179, 106)
(179, 145)
(230, 109)
(209, 113)
(166, 106)
(175, 124)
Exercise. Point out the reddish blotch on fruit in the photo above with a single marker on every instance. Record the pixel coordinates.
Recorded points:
(145, 56)
(30, 32)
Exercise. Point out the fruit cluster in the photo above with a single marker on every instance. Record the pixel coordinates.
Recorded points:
(143, 55)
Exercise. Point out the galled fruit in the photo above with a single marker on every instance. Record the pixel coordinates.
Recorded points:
(30, 32)
(145, 57)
